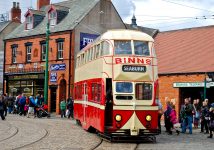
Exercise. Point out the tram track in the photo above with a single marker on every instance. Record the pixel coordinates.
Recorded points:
(15, 133)
(29, 144)
(96, 146)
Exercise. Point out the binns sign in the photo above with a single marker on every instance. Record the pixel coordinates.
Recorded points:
(133, 60)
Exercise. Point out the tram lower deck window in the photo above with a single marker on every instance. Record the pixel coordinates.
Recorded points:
(124, 87)
(143, 91)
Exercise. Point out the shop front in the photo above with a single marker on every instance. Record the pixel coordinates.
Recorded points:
(29, 83)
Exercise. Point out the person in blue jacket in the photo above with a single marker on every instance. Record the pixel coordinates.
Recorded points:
(22, 102)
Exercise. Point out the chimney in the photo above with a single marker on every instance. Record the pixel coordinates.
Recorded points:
(16, 13)
(41, 3)
(134, 22)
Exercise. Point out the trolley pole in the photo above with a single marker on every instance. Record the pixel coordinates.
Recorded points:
(46, 63)
(205, 87)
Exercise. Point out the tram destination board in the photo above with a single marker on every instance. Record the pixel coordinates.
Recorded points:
(129, 68)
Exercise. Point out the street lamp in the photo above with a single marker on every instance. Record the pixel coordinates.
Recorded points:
(46, 63)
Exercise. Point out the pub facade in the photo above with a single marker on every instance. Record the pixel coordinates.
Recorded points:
(73, 24)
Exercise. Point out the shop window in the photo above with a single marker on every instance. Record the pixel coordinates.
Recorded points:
(29, 22)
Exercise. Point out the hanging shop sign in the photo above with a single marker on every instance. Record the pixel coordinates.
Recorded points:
(53, 77)
(57, 67)
(192, 84)
(86, 38)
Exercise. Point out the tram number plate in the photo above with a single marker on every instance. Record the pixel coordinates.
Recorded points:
(128, 68)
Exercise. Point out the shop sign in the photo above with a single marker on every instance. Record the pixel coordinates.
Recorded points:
(86, 38)
(127, 68)
(192, 84)
(53, 77)
(58, 67)
(26, 77)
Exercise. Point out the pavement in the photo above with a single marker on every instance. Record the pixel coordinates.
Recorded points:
(19, 132)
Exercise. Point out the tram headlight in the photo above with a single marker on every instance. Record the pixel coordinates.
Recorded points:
(148, 118)
(118, 118)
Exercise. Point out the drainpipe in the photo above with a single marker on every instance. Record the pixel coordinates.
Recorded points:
(205, 87)
(69, 75)
(4, 90)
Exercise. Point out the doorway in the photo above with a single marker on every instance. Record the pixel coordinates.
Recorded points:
(62, 90)
(53, 98)
(109, 103)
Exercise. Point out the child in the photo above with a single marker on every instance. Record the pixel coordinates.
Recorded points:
(173, 119)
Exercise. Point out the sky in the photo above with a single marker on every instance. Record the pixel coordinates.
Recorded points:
(159, 14)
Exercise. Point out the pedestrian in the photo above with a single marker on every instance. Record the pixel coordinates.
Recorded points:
(63, 108)
(5, 103)
(17, 104)
(2, 108)
(168, 124)
(204, 117)
(187, 117)
(42, 100)
(70, 107)
(10, 104)
(32, 104)
(211, 123)
(174, 120)
(22, 102)
(196, 113)
(160, 113)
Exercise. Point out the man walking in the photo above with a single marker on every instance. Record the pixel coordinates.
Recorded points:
(63, 108)
(187, 110)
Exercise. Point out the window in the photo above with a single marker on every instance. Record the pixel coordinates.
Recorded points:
(28, 54)
(97, 50)
(60, 50)
(14, 53)
(124, 87)
(52, 17)
(96, 92)
(104, 48)
(141, 48)
(29, 22)
(78, 93)
(43, 50)
(122, 47)
(143, 91)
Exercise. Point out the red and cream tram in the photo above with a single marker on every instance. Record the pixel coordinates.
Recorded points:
(116, 80)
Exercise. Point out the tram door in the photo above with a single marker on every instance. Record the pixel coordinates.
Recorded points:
(109, 103)
(85, 99)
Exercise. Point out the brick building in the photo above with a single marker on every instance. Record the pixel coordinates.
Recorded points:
(7, 26)
(72, 24)
(185, 60)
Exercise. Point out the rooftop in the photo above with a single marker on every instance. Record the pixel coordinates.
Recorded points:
(185, 51)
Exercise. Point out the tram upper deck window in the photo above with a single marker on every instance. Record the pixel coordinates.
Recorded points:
(124, 87)
(122, 47)
(104, 48)
(143, 91)
(141, 48)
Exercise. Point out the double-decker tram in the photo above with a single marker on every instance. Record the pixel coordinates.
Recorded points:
(115, 87)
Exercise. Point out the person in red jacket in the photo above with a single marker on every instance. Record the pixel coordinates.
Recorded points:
(174, 120)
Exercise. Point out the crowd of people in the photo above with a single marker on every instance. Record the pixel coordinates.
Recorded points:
(30, 106)
(191, 115)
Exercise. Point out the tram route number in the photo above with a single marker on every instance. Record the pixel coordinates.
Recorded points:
(128, 68)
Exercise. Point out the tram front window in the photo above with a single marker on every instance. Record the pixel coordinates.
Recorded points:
(141, 48)
(124, 87)
(122, 47)
(143, 91)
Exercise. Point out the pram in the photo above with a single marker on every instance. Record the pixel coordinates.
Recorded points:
(42, 111)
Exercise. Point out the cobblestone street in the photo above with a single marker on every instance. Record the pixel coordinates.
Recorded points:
(56, 133)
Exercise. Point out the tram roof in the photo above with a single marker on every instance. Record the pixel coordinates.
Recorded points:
(124, 34)
(121, 34)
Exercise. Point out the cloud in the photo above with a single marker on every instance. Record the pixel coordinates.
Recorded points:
(125, 8)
